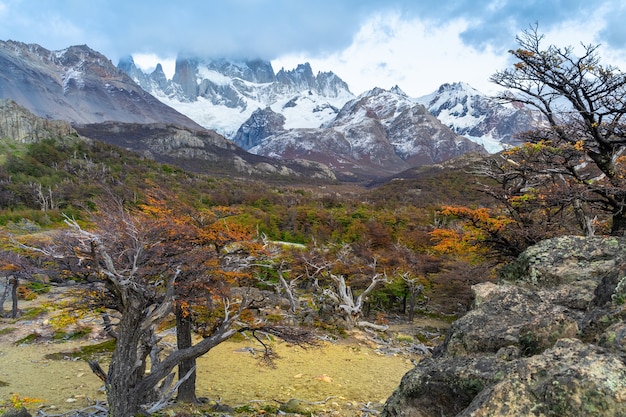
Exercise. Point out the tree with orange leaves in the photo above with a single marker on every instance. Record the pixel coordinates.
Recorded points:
(574, 166)
(146, 263)
(480, 231)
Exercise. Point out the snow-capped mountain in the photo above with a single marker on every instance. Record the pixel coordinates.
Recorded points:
(222, 94)
(381, 132)
(480, 118)
(246, 102)
(79, 85)
(40, 88)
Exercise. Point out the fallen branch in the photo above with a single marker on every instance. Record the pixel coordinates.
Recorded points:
(367, 324)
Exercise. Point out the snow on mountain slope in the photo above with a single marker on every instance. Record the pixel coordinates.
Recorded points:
(478, 117)
(378, 133)
(222, 94)
(79, 85)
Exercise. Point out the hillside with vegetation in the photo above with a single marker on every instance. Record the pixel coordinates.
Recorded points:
(310, 242)
(156, 250)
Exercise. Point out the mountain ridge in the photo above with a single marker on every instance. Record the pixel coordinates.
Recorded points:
(222, 94)
(480, 118)
(380, 133)
(79, 85)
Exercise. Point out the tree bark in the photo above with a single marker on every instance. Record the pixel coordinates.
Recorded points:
(411, 307)
(5, 293)
(618, 223)
(126, 369)
(186, 390)
(15, 282)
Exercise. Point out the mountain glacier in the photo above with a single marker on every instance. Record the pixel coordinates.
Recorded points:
(222, 94)
(480, 118)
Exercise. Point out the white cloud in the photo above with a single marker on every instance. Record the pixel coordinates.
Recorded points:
(148, 62)
(413, 54)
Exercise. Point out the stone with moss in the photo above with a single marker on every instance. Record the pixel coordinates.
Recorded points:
(549, 340)
(566, 259)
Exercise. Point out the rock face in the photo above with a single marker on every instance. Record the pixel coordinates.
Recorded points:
(479, 117)
(198, 150)
(380, 133)
(548, 340)
(19, 124)
(261, 124)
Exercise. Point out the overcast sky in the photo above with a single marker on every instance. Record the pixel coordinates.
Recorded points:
(416, 44)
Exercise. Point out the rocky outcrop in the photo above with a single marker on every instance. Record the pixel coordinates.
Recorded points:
(261, 124)
(198, 150)
(548, 340)
(19, 124)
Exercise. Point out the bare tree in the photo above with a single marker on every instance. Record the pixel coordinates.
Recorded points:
(16, 269)
(136, 259)
(347, 304)
(581, 150)
(414, 289)
(335, 288)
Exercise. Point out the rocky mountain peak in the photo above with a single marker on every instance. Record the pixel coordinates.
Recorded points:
(159, 77)
(479, 117)
(377, 103)
(79, 85)
(221, 94)
(458, 87)
(261, 124)
(378, 133)
(397, 90)
(252, 70)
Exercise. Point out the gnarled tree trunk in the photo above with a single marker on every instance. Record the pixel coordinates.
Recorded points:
(186, 390)
(126, 368)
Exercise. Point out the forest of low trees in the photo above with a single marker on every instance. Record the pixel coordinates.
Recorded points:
(145, 243)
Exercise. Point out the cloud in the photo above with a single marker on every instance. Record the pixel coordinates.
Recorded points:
(271, 28)
(148, 62)
(396, 41)
(417, 55)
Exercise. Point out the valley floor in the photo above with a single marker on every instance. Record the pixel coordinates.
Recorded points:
(341, 377)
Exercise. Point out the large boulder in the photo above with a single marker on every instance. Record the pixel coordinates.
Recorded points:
(567, 259)
(549, 340)
(570, 379)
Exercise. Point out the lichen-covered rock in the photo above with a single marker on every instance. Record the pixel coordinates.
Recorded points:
(17, 412)
(513, 316)
(571, 379)
(614, 338)
(566, 259)
(443, 387)
(549, 340)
